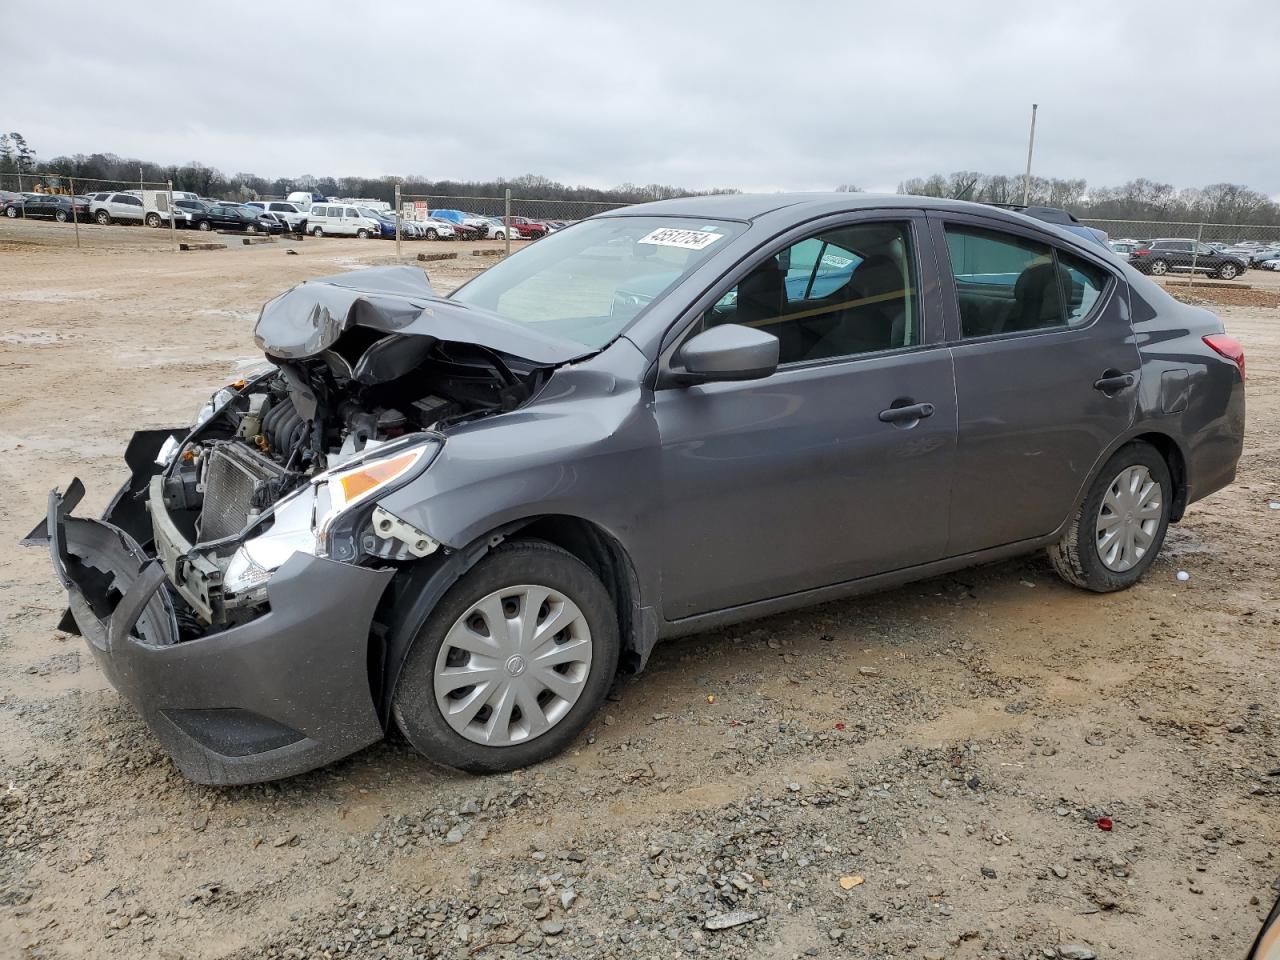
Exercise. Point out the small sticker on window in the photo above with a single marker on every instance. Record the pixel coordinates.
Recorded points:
(685, 239)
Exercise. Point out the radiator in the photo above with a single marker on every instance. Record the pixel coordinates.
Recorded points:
(236, 479)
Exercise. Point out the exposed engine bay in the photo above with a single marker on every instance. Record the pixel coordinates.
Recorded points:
(293, 459)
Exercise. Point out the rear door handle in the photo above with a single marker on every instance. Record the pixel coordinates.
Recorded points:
(915, 411)
(1115, 383)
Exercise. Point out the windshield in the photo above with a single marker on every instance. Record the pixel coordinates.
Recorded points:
(588, 283)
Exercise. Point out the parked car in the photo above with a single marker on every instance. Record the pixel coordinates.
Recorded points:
(480, 224)
(386, 222)
(499, 230)
(341, 220)
(231, 216)
(53, 206)
(117, 207)
(434, 228)
(1122, 248)
(1180, 255)
(458, 515)
(1066, 220)
(528, 229)
(1271, 264)
(1263, 254)
(288, 213)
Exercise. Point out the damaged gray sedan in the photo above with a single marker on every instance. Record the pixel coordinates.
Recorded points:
(461, 516)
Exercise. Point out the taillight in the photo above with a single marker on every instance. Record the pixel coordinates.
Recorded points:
(1139, 252)
(1229, 347)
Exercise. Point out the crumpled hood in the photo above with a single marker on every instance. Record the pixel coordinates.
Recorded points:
(309, 319)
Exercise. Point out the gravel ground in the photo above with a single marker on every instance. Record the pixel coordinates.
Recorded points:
(925, 773)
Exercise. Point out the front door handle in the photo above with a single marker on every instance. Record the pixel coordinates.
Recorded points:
(915, 411)
(1114, 383)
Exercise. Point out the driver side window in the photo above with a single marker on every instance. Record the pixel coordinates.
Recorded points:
(839, 293)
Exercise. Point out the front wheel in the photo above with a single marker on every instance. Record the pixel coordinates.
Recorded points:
(1228, 271)
(317, 232)
(60, 216)
(432, 234)
(1159, 267)
(251, 228)
(11, 213)
(1118, 530)
(362, 234)
(512, 663)
(153, 220)
(205, 225)
(103, 217)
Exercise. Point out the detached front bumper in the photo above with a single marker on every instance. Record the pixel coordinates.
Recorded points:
(279, 695)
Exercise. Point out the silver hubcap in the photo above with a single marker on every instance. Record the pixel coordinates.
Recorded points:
(1128, 519)
(513, 666)
(1159, 267)
(1228, 271)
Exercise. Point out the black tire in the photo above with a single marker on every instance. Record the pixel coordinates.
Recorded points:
(1158, 267)
(432, 233)
(517, 562)
(60, 216)
(11, 213)
(1076, 558)
(153, 220)
(205, 225)
(103, 218)
(251, 228)
(362, 234)
(1228, 271)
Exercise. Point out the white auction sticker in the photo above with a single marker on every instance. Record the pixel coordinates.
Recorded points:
(686, 239)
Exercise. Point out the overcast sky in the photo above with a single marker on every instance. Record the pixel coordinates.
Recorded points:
(761, 96)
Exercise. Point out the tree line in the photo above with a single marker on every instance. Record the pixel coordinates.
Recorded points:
(1138, 199)
(97, 170)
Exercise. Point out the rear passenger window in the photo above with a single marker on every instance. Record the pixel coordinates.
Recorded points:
(1010, 284)
(1083, 284)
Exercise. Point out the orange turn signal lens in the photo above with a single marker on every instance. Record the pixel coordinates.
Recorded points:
(363, 479)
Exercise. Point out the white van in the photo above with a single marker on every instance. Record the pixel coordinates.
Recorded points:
(301, 199)
(338, 219)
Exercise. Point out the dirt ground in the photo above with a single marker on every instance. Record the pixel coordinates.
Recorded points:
(917, 774)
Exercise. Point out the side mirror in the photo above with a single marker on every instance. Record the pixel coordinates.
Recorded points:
(726, 352)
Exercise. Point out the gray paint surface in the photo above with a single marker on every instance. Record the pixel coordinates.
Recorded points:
(726, 500)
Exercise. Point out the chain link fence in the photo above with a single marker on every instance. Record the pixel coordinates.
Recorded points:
(1194, 250)
(89, 202)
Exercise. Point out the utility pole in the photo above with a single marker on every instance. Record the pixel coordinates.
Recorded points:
(1031, 145)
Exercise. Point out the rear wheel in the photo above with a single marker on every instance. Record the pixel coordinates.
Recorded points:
(1228, 271)
(60, 216)
(251, 228)
(432, 234)
(317, 232)
(1159, 267)
(205, 225)
(1118, 530)
(11, 213)
(512, 663)
(103, 217)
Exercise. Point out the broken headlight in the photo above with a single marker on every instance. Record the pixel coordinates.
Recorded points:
(333, 516)
(345, 495)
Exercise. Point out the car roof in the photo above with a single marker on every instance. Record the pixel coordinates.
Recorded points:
(750, 206)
